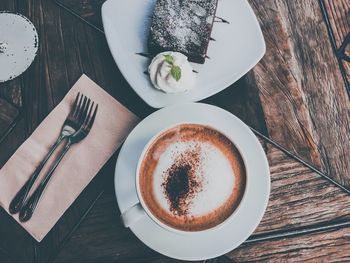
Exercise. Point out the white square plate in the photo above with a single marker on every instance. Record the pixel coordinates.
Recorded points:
(238, 46)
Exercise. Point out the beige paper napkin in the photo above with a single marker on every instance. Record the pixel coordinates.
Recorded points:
(82, 162)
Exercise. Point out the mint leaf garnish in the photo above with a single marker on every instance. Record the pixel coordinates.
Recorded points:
(176, 72)
(169, 59)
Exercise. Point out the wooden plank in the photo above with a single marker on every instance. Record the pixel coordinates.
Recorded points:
(111, 242)
(339, 17)
(301, 89)
(87, 9)
(12, 92)
(8, 114)
(13, 237)
(7, 5)
(242, 99)
(56, 238)
(164, 259)
(110, 239)
(4, 257)
(299, 197)
(291, 206)
(347, 69)
(12, 142)
(48, 69)
(329, 246)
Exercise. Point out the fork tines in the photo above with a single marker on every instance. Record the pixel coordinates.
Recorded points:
(84, 111)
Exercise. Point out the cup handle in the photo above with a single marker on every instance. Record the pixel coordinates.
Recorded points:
(132, 215)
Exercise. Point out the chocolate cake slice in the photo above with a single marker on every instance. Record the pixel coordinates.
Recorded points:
(183, 26)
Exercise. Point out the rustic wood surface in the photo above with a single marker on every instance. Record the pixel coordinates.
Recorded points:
(303, 95)
(339, 16)
(324, 246)
(299, 199)
(296, 95)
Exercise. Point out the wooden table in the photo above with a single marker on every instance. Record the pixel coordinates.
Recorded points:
(297, 96)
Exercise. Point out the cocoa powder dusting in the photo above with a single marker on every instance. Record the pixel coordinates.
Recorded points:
(182, 181)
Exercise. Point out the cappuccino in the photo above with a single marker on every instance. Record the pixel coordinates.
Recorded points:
(192, 177)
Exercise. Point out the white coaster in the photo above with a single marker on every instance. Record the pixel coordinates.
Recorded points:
(18, 45)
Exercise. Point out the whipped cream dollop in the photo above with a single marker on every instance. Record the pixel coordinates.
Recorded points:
(171, 72)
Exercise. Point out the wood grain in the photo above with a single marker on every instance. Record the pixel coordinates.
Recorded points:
(299, 199)
(67, 49)
(241, 99)
(12, 92)
(8, 114)
(86, 9)
(339, 17)
(301, 89)
(5, 258)
(12, 142)
(49, 247)
(329, 246)
(347, 68)
(111, 240)
(12, 235)
(303, 103)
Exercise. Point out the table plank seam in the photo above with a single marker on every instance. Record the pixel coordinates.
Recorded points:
(11, 127)
(72, 12)
(336, 225)
(71, 232)
(297, 158)
(35, 254)
(334, 45)
(10, 102)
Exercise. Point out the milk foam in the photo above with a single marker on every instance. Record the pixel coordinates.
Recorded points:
(215, 172)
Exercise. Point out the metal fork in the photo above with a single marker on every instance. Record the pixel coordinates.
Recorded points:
(69, 127)
(28, 208)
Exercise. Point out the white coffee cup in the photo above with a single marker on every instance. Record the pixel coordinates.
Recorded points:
(140, 209)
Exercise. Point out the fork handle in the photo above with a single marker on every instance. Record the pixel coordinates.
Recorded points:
(17, 202)
(28, 208)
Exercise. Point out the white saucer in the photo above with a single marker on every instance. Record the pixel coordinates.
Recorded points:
(21, 44)
(237, 48)
(201, 245)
